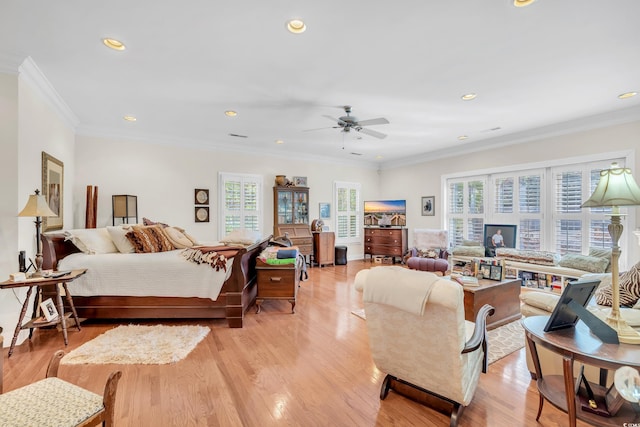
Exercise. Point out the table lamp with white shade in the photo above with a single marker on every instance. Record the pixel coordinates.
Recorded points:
(38, 207)
(616, 188)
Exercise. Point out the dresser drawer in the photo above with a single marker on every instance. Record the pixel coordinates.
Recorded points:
(277, 283)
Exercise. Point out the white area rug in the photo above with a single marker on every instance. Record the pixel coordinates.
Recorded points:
(138, 344)
(502, 341)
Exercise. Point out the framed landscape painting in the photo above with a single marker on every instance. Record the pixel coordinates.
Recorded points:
(53, 191)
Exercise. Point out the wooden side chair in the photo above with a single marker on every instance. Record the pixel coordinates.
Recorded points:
(54, 401)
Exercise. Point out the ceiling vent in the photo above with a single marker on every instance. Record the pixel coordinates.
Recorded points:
(238, 136)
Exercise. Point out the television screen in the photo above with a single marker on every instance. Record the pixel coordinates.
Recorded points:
(385, 213)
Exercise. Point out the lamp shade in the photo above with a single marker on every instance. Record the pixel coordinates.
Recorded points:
(37, 206)
(615, 188)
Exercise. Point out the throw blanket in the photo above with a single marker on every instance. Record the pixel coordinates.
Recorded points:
(216, 256)
(399, 287)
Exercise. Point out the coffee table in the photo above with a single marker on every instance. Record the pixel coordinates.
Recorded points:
(503, 296)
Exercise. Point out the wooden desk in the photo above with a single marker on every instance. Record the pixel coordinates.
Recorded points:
(578, 344)
(503, 296)
(61, 319)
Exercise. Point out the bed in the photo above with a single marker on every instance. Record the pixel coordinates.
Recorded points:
(237, 289)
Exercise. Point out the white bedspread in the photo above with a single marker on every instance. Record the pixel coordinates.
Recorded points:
(164, 274)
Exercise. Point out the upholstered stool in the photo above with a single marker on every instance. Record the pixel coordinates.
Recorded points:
(53, 401)
(428, 264)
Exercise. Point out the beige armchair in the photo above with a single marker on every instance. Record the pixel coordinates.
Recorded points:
(420, 339)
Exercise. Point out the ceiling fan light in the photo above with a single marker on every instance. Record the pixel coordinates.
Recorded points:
(522, 3)
(627, 95)
(113, 44)
(296, 26)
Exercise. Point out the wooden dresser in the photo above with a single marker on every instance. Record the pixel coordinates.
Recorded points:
(324, 249)
(277, 282)
(385, 241)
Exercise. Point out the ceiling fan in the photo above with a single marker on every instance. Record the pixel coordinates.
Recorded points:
(349, 122)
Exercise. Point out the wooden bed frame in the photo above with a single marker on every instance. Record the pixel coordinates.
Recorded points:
(238, 292)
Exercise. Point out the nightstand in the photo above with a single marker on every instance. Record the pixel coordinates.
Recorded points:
(61, 319)
(277, 282)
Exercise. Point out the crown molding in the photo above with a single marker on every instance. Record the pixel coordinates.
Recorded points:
(597, 121)
(10, 63)
(32, 75)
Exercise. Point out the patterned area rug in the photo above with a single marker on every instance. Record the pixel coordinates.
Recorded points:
(502, 341)
(138, 344)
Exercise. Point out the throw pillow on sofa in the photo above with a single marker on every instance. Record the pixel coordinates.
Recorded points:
(629, 285)
(584, 262)
(602, 253)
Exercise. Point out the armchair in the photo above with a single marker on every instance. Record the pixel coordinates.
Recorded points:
(405, 311)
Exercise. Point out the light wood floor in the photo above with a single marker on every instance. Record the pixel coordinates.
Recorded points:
(312, 368)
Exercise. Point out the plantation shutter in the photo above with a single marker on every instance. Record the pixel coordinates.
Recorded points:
(240, 203)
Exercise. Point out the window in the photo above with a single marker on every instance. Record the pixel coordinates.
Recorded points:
(348, 212)
(465, 200)
(547, 211)
(240, 204)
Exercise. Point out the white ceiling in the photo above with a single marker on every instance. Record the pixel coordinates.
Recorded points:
(535, 69)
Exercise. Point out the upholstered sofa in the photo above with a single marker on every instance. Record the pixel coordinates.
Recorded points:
(428, 243)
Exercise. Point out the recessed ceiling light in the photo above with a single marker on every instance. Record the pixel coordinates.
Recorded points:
(378, 157)
(522, 3)
(462, 137)
(130, 118)
(296, 26)
(231, 113)
(469, 96)
(627, 95)
(113, 44)
(279, 141)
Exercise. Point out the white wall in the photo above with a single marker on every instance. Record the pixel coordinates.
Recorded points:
(164, 178)
(412, 182)
(38, 128)
(8, 195)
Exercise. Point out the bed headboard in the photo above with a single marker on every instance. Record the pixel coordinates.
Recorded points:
(54, 248)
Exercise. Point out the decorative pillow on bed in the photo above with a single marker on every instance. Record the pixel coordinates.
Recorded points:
(91, 240)
(149, 239)
(118, 235)
(177, 237)
(241, 237)
(147, 221)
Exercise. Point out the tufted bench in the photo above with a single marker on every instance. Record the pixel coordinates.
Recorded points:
(428, 264)
(52, 401)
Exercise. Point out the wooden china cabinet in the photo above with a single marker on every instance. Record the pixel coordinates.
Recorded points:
(291, 215)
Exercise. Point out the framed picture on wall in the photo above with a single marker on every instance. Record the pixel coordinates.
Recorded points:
(325, 210)
(53, 191)
(202, 214)
(429, 206)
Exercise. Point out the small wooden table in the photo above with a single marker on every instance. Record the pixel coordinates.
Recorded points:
(578, 344)
(503, 296)
(277, 282)
(41, 281)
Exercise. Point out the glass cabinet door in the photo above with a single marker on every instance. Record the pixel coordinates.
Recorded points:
(285, 207)
(301, 208)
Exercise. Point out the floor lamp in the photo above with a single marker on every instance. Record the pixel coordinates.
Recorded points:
(37, 206)
(616, 188)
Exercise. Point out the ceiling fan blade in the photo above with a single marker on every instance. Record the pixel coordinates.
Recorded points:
(378, 121)
(328, 127)
(371, 132)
